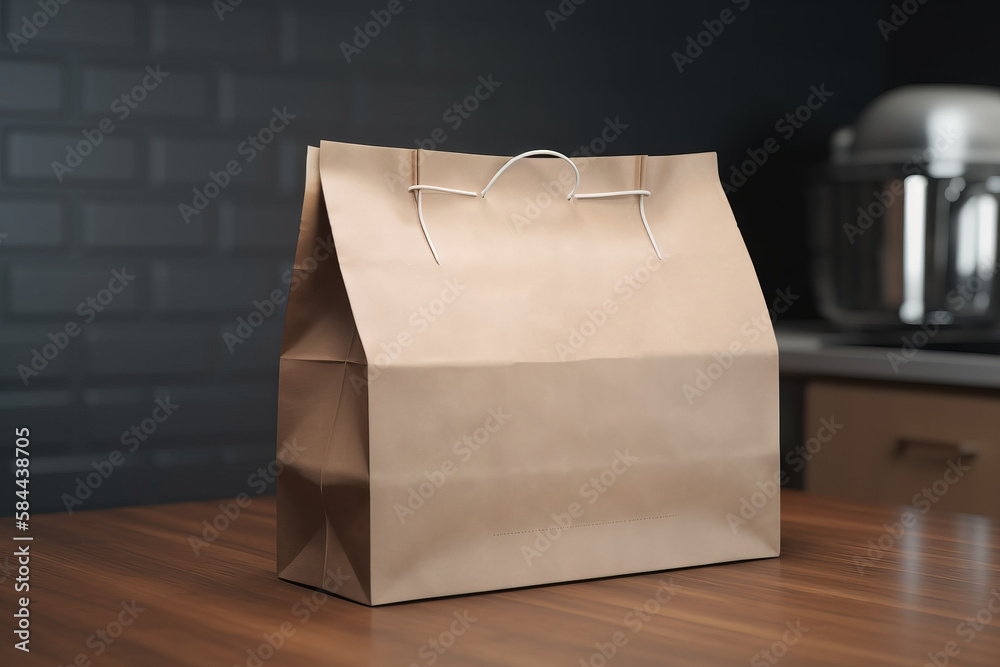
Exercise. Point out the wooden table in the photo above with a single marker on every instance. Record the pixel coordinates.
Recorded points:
(815, 605)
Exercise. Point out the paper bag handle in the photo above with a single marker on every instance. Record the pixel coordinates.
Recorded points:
(530, 154)
(642, 194)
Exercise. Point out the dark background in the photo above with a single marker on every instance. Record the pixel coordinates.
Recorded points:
(162, 336)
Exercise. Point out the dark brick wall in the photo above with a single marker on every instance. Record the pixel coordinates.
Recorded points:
(161, 336)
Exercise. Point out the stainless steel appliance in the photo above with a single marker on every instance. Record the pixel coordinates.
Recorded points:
(904, 219)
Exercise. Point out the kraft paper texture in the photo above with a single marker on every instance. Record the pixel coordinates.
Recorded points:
(551, 402)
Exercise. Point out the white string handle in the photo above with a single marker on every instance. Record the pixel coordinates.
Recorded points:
(530, 154)
(642, 194)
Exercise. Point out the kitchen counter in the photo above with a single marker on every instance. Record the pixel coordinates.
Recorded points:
(897, 358)
(124, 587)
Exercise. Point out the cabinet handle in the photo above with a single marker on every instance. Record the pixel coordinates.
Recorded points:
(967, 448)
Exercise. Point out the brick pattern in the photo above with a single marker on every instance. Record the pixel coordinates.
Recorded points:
(39, 86)
(76, 89)
(100, 24)
(182, 94)
(117, 210)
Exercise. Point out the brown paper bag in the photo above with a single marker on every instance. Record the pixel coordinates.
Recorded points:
(524, 387)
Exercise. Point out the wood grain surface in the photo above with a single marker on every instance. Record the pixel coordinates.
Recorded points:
(124, 587)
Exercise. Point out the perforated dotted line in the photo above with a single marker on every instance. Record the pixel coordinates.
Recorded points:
(587, 525)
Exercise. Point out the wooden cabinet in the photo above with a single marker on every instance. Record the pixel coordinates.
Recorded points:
(928, 447)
